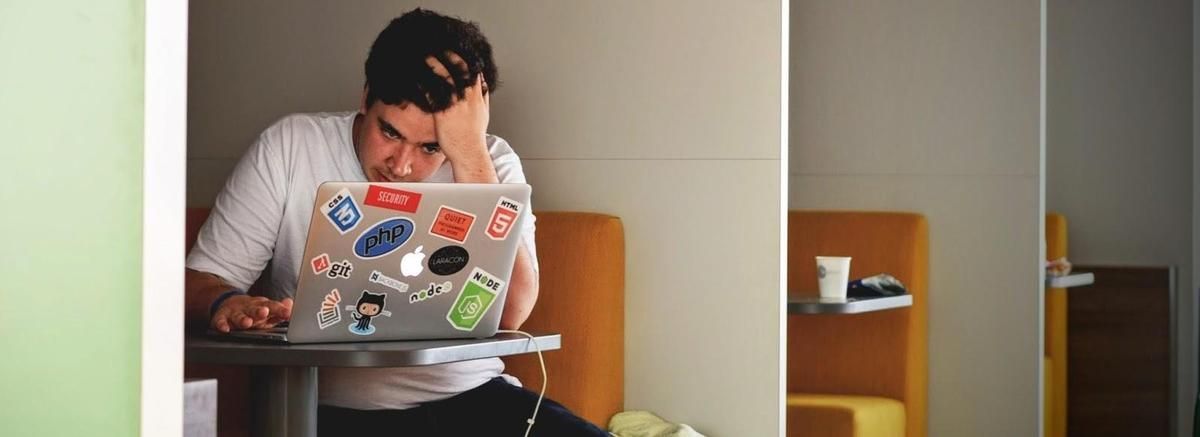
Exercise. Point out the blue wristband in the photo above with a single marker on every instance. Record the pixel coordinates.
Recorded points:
(212, 309)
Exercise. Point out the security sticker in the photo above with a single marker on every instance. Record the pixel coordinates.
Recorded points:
(452, 224)
(387, 281)
(340, 270)
(474, 300)
(430, 291)
(369, 305)
(320, 264)
(342, 211)
(503, 218)
(330, 314)
(448, 260)
(398, 200)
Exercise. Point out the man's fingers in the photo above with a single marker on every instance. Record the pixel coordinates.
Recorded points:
(276, 309)
(221, 325)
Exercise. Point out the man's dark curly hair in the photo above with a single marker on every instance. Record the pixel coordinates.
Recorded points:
(396, 68)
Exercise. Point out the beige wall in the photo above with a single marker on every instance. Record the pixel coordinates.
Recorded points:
(932, 106)
(1119, 143)
(665, 113)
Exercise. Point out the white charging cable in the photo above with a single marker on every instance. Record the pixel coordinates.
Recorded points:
(545, 378)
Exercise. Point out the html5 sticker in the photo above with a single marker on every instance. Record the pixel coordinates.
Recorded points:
(393, 199)
(503, 218)
(452, 224)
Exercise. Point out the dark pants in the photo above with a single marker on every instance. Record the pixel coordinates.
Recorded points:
(495, 408)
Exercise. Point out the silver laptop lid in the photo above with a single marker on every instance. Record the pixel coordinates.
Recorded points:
(392, 261)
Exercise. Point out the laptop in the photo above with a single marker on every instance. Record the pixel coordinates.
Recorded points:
(404, 261)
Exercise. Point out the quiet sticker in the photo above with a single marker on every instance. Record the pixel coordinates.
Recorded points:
(330, 314)
(387, 281)
(342, 211)
(474, 300)
(398, 200)
(503, 218)
(452, 224)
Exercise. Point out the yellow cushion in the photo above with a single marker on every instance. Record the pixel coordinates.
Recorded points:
(813, 415)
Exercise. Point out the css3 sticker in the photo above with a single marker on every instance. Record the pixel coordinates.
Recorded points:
(474, 300)
(342, 211)
(503, 218)
(383, 238)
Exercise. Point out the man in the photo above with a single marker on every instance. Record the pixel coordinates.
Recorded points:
(422, 118)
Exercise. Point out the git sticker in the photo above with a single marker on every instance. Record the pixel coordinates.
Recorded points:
(320, 264)
(503, 218)
(387, 281)
(340, 270)
(330, 314)
(342, 211)
(398, 200)
(474, 300)
(452, 224)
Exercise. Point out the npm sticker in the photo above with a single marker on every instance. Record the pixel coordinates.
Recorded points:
(393, 199)
(342, 211)
(503, 218)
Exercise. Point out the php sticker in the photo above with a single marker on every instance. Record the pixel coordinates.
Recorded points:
(370, 305)
(320, 264)
(342, 211)
(448, 260)
(474, 300)
(503, 218)
(330, 314)
(452, 224)
(383, 238)
(398, 200)
(340, 270)
(430, 291)
(387, 281)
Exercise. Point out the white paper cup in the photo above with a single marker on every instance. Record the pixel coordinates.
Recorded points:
(833, 276)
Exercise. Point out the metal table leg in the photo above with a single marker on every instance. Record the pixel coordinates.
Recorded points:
(285, 401)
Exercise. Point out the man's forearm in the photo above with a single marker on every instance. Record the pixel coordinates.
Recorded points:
(522, 292)
(200, 290)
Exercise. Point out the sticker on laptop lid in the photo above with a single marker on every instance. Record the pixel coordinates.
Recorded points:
(433, 290)
(340, 270)
(384, 237)
(387, 281)
(473, 302)
(330, 314)
(320, 264)
(393, 199)
(503, 218)
(448, 260)
(412, 264)
(452, 224)
(369, 306)
(342, 212)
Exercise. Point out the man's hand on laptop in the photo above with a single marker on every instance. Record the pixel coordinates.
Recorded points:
(250, 312)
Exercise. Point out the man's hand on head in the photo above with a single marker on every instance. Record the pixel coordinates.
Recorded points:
(250, 312)
(461, 128)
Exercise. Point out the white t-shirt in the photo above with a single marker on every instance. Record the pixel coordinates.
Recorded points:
(259, 224)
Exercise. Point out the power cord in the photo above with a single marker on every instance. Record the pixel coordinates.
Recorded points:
(545, 378)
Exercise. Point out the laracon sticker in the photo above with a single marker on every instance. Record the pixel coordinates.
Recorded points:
(430, 291)
(398, 200)
(341, 270)
(474, 300)
(369, 305)
(320, 264)
(330, 314)
(383, 237)
(503, 218)
(342, 211)
(452, 224)
(448, 260)
(387, 281)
